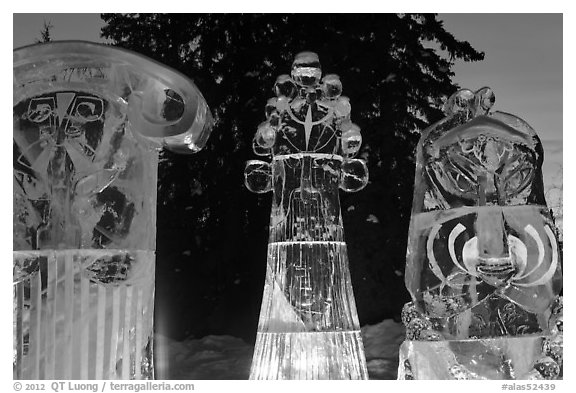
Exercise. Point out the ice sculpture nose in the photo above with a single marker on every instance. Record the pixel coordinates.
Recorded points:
(491, 233)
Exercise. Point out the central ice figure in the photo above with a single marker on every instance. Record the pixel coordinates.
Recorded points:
(308, 326)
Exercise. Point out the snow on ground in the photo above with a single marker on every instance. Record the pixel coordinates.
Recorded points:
(381, 344)
(210, 357)
(227, 357)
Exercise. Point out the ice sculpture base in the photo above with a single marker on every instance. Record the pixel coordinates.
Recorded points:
(493, 358)
(309, 355)
(83, 314)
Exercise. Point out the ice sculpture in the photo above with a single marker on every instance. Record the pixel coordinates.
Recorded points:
(483, 262)
(88, 122)
(308, 326)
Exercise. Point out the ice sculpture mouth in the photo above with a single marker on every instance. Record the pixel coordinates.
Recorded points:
(496, 271)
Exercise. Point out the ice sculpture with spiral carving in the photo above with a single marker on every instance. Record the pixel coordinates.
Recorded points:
(89, 120)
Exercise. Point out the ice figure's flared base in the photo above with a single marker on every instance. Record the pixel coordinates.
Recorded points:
(309, 355)
(493, 358)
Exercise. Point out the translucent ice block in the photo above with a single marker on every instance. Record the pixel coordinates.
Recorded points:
(483, 261)
(308, 325)
(88, 123)
(491, 358)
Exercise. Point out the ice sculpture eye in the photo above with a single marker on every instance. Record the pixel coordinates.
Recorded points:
(518, 176)
(463, 185)
(89, 111)
(39, 111)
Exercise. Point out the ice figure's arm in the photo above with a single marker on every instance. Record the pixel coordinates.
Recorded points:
(353, 172)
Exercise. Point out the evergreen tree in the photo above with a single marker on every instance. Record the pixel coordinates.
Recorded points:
(212, 233)
(45, 33)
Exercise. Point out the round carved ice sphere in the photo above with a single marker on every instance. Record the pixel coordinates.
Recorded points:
(353, 175)
(270, 107)
(266, 135)
(331, 86)
(342, 108)
(351, 139)
(460, 101)
(285, 86)
(258, 176)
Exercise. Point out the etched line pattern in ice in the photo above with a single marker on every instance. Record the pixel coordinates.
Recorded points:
(308, 325)
(83, 314)
(308, 288)
(309, 355)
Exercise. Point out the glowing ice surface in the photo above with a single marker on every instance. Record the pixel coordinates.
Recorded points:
(88, 121)
(308, 326)
(483, 261)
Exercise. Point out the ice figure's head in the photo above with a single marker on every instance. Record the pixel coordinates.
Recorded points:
(308, 114)
(480, 226)
(306, 70)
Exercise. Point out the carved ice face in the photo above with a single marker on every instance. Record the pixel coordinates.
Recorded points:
(56, 129)
(467, 255)
(480, 226)
(69, 149)
(63, 118)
